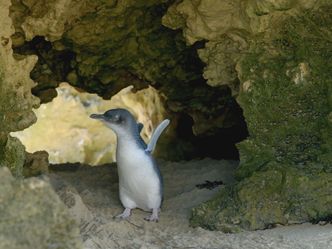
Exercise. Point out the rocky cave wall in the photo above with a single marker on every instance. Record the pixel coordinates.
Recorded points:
(281, 53)
(25, 205)
(16, 101)
(273, 56)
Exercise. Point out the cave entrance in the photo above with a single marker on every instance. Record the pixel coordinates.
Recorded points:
(66, 132)
(217, 143)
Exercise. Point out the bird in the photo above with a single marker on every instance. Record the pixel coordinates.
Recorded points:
(140, 180)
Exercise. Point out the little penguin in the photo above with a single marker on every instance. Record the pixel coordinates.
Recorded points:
(140, 181)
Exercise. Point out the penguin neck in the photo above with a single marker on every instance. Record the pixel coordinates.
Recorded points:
(127, 150)
(130, 139)
(124, 140)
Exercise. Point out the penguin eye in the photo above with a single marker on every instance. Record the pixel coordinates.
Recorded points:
(117, 118)
(108, 115)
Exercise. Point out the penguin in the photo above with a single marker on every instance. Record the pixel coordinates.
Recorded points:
(140, 180)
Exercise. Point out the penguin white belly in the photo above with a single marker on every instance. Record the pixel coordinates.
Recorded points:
(139, 183)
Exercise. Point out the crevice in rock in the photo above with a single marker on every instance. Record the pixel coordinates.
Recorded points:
(52, 67)
(218, 143)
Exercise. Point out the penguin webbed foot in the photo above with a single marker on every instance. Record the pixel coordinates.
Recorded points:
(124, 215)
(154, 217)
(151, 218)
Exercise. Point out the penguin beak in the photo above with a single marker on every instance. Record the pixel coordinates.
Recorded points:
(97, 116)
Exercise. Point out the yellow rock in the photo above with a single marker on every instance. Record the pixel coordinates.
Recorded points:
(66, 132)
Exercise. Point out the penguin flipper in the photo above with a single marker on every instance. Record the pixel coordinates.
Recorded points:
(156, 134)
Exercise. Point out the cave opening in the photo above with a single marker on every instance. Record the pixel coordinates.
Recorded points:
(66, 132)
(57, 62)
(219, 143)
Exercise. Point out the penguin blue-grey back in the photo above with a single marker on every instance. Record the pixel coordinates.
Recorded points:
(140, 181)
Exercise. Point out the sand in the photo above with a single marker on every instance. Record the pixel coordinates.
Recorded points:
(91, 194)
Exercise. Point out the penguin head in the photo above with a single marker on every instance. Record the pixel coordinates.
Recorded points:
(119, 120)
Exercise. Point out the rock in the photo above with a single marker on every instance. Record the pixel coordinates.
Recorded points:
(285, 197)
(106, 55)
(16, 100)
(228, 26)
(35, 163)
(32, 216)
(206, 19)
(286, 97)
(221, 57)
(13, 154)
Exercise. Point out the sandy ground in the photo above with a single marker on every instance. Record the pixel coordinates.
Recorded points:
(91, 193)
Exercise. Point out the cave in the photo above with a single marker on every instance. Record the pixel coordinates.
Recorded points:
(54, 66)
(246, 85)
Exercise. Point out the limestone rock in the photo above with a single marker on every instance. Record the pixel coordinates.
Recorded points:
(221, 58)
(228, 26)
(13, 155)
(36, 163)
(206, 19)
(288, 67)
(210, 19)
(16, 100)
(286, 196)
(32, 216)
(286, 97)
(100, 46)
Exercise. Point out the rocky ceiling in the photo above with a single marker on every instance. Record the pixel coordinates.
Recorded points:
(272, 56)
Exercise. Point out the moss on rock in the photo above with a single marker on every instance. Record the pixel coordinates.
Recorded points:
(286, 83)
(285, 92)
(284, 196)
(13, 156)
